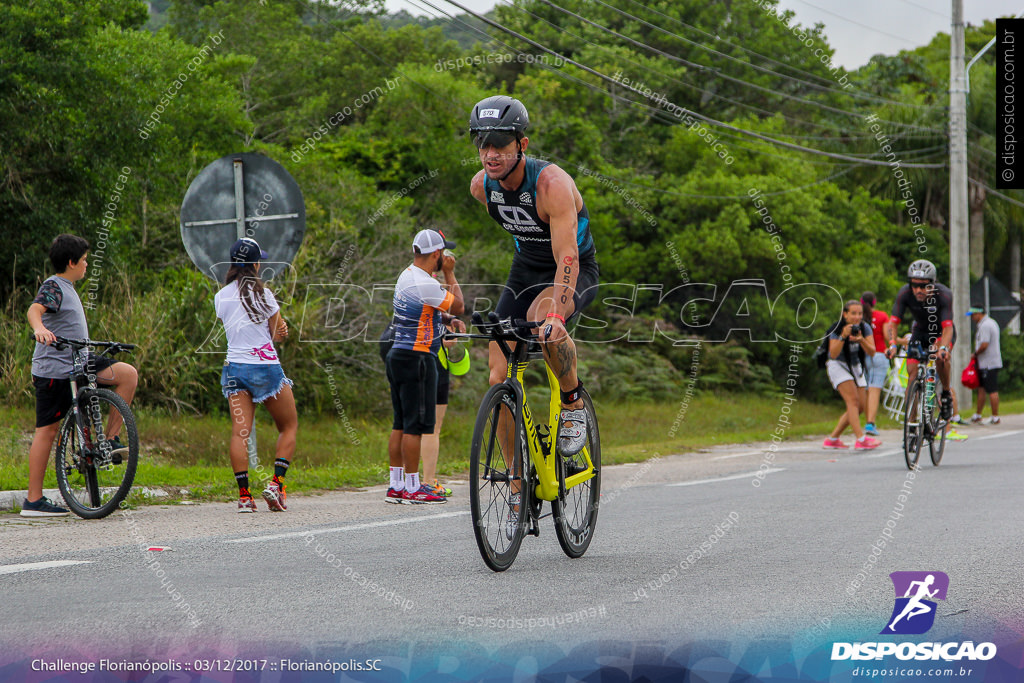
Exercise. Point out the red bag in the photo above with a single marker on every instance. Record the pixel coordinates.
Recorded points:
(969, 378)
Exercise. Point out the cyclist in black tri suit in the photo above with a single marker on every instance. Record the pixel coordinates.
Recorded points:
(554, 270)
(931, 305)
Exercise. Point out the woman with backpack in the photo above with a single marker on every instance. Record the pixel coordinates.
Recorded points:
(850, 342)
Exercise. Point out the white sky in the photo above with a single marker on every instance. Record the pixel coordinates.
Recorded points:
(855, 31)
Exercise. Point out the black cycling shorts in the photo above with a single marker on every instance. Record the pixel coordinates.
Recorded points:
(413, 379)
(525, 283)
(917, 335)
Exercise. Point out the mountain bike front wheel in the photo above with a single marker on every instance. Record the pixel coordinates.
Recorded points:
(497, 467)
(92, 479)
(575, 509)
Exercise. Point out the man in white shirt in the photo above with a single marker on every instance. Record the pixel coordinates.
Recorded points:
(989, 360)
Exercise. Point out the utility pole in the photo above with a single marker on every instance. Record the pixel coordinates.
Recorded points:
(959, 248)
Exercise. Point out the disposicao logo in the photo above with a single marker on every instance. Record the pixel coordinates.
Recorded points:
(913, 614)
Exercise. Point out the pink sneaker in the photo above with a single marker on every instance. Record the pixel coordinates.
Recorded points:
(833, 443)
(866, 444)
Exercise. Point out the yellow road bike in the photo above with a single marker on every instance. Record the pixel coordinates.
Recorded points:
(514, 464)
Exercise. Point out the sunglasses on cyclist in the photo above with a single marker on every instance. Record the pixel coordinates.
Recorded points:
(919, 285)
(493, 138)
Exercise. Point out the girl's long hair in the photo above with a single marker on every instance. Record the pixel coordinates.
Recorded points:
(250, 291)
(867, 300)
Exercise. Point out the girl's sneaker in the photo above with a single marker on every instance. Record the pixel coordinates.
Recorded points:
(866, 443)
(834, 443)
(870, 429)
(441, 490)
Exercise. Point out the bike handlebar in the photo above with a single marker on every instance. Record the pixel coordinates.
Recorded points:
(108, 346)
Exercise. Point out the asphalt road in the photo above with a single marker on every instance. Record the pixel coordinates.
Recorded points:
(778, 557)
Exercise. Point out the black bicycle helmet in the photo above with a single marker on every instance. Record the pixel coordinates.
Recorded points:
(499, 113)
(497, 121)
(921, 270)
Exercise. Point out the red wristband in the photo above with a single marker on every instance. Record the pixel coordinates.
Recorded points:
(555, 315)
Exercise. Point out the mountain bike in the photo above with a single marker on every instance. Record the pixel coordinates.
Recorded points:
(93, 475)
(921, 419)
(514, 464)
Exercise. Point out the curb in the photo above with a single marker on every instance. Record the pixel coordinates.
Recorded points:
(10, 499)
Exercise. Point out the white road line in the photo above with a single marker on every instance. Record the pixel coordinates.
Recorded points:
(760, 452)
(32, 566)
(748, 475)
(351, 527)
(884, 454)
(999, 436)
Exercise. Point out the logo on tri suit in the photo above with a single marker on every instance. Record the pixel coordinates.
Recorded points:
(497, 197)
(526, 198)
(517, 220)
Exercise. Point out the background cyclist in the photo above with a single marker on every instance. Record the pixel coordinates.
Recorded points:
(931, 305)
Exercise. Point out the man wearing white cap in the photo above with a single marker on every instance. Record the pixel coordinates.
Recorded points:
(990, 361)
(422, 308)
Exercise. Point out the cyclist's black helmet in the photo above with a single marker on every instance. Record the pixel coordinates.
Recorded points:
(921, 270)
(499, 113)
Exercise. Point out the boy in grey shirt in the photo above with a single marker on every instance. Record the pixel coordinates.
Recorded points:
(57, 310)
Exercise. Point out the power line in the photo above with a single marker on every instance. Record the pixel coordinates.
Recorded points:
(761, 68)
(690, 113)
(724, 76)
(856, 23)
(927, 9)
(995, 192)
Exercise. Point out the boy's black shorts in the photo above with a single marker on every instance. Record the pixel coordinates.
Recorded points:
(53, 396)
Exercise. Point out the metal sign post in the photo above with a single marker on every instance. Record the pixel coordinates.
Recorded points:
(236, 196)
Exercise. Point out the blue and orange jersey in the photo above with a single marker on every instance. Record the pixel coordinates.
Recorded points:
(419, 300)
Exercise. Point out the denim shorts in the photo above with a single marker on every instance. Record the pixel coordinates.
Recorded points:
(877, 370)
(262, 381)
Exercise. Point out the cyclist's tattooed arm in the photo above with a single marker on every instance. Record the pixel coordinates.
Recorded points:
(556, 196)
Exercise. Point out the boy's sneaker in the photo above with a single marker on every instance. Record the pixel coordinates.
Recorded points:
(425, 495)
(976, 418)
(833, 443)
(870, 429)
(441, 490)
(274, 494)
(42, 508)
(394, 496)
(246, 504)
(866, 443)
(994, 420)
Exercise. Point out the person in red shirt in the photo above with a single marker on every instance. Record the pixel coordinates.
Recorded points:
(877, 366)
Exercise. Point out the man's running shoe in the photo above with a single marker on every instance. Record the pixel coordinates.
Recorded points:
(246, 504)
(572, 434)
(994, 420)
(976, 418)
(870, 429)
(954, 435)
(274, 494)
(957, 420)
(441, 490)
(43, 507)
(425, 495)
(946, 405)
(513, 516)
(866, 444)
(833, 443)
(118, 448)
(394, 496)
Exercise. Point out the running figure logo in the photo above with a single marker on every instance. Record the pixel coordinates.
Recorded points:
(914, 612)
